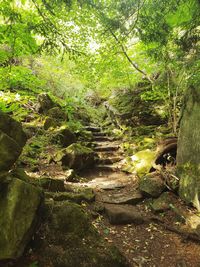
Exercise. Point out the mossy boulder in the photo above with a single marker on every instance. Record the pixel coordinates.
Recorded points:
(12, 140)
(50, 123)
(57, 113)
(152, 184)
(71, 240)
(19, 203)
(141, 162)
(64, 136)
(163, 202)
(84, 195)
(49, 184)
(75, 156)
(9, 151)
(44, 103)
(13, 129)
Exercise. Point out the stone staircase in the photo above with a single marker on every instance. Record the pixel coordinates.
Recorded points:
(107, 150)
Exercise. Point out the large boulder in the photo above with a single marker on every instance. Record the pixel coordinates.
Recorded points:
(75, 156)
(19, 203)
(12, 140)
(71, 240)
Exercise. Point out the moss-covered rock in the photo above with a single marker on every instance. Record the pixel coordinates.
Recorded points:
(163, 202)
(44, 103)
(57, 113)
(141, 162)
(85, 195)
(9, 151)
(64, 136)
(152, 184)
(49, 184)
(19, 202)
(50, 123)
(71, 240)
(13, 129)
(12, 140)
(75, 156)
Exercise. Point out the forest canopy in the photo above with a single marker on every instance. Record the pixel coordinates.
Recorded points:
(73, 47)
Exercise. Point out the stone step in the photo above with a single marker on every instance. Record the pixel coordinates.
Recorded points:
(93, 129)
(99, 134)
(106, 168)
(104, 161)
(106, 148)
(132, 198)
(102, 138)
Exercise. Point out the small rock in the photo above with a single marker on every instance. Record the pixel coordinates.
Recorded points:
(152, 184)
(122, 214)
(163, 202)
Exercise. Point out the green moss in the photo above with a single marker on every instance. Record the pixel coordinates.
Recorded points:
(141, 162)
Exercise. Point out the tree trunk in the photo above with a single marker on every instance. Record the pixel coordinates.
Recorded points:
(188, 152)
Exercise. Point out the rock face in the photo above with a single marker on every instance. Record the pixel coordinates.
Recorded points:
(75, 156)
(188, 149)
(12, 140)
(70, 240)
(19, 202)
(151, 184)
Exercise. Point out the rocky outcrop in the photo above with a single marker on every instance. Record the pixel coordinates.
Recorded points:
(12, 140)
(75, 156)
(19, 203)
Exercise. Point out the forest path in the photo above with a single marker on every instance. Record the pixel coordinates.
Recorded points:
(122, 209)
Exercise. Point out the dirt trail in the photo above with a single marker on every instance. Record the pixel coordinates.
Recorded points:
(146, 244)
